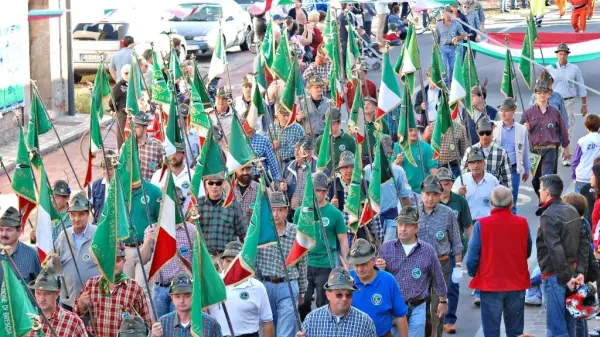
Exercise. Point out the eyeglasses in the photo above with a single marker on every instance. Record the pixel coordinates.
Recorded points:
(485, 133)
(347, 295)
(211, 183)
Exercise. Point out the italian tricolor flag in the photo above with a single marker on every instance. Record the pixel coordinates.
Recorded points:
(239, 153)
(306, 238)
(173, 134)
(219, 60)
(389, 92)
(290, 91)
(46, 214)
(256, 110)
(22, 181)
(166, 242)
(458, 91)
(380, 174)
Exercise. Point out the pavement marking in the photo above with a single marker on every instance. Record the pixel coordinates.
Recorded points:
(523, 199)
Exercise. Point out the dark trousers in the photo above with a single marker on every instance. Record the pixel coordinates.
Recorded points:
(510, 304)
(454, 166)
(404, 10)
(548, 165)
(453, 293)
(121, 120)
(367, 27)
(434, 326)
(317, 278)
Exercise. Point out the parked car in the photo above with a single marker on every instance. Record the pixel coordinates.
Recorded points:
(201, 28)
(144, 25)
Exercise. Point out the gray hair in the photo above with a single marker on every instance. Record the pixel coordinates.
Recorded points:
(553, 184)
(501, 197)
(125, 68)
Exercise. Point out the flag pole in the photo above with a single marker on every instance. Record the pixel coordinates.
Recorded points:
(11, 263)
(332, 149)
(10, 181)
(58, 138)
(513, 70)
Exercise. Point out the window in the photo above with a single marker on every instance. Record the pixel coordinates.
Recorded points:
(100, 31)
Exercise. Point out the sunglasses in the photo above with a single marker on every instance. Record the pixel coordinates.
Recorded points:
(211, 183)
(347, 295)
(485, 133)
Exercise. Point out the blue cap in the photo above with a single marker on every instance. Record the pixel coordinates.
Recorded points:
(278, 17)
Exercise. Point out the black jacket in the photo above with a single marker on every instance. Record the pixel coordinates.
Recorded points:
(562, 242)
(418, 100)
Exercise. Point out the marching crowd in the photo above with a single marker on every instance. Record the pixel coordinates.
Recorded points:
(397, 276)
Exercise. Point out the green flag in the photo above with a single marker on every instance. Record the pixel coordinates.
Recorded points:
(506, 87)
(470, 76)
(39, 124)
(46, 217)
(281, 63)
(406, 122)
(173, 134)
(437, 67)
(101, 90)
(129, 170)
(267, 48)
(526, 66)
(331, 40)
(209, 162)
(324, 156)
(352, 50)
(134, 88)
(458, 89)
(207, 287)
(111, 227)
(240, 153)
(18, 313)
(22, 180)
(160, 91)
(380, 174)
(443, 122)
(259, 74)
(353, 201)
(218, 63)
(200, 93)
(408, 60)
(174, 65)
(95, 143)
(288, 97)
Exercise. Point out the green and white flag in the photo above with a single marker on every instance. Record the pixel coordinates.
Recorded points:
(259, 74)
(239, 153)
(173, 136)
(389, 91)
(408, 62)
(352, 50)
(458, 90)
(18, 313)
(471, 78)
(437, 66)
(218, 63)
(22, 180)
(353, 201)
(506, 87)
(101, 90)
(325, 148)
(331, 41)
(134, 88)
(174, 65)
(46, 215)
(267, 48)
(160, 90)
(256, 109)
(526, 66)
(443, 123)
(406, 122)
(281, 63)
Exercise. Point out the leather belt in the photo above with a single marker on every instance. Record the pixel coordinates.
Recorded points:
(544, 147)
(448, 44)
(416, 303)
(568, 98)
(274, 280)
(163, 285)
(132, 245)
(443, 257)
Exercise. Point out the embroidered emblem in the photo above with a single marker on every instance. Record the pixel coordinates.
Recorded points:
(439, 235)
(125, 315)
(325, 221)
(86, 257)
(455, 213)
(452, 147)
(185, 185)
(486, 201)
(244, 295)
(184, 250)
(416, 273)
(376, 299)
(520, 147)
(550, 125)
(342, 147)
(153, 165)
(144, 199)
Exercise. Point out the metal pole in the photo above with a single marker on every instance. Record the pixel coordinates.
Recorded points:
(12, 265)
(458, 159)
(513, 70)
(70, 74)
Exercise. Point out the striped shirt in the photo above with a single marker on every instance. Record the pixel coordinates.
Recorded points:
(263, 149)
(450, 143)
(496, 163)
(247, 199)
(322, 322)
(416, 272)
(172, 327)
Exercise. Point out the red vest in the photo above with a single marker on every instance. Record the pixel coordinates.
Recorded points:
(503, 257)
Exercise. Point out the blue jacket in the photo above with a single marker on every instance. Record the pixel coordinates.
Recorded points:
(97, 196)
(472, 129)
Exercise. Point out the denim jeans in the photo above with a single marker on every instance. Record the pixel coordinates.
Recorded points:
(162, 301)
(503, 4)
(448, 56)
(510, 304)
(416, 323)
(284, 317)
(390, 230)
(559, 323)
(582, 328)
(453, 294)
(579, 185)
(516, 181)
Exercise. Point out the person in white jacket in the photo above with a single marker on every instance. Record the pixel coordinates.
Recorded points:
(587, 149)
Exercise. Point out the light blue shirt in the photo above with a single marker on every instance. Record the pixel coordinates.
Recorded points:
(119, 59)
(508, 143)
(478, 195)
(568, 81)
(389, 193)
(78, 239)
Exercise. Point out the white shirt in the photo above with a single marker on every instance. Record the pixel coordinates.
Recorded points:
(247, 305)
(478, 195)
(408, 248)
(182, 181)
(432, 101)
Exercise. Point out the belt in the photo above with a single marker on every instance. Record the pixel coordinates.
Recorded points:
(416, 303)
(451, 163)
(132, 245)
(579, 6)
(163, 285)
(443, 257)
(274, 280)
(449, 44)
(568, 98)
(545, 147)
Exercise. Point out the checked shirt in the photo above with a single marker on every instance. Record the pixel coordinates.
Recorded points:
(448, 150)
(65, 323)
(247, 199)
(127, 298)
(151, 157)
(322, 323)
(287, 138)
(269, 262)
(263, 149)
(173, 328)
(497, 163)
(220, 225)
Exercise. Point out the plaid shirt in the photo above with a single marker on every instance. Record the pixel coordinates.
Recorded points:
(263, 149)
(269, 264)
(440, 229)
(497, 163)
(322, 323)
(448, 151)
(416, 272)
(57, 226)
(298, 195)
(151, 155)
(287, 138)
(26, 260)
(247, 199)
(173, 328)
(183, 251)
(126, 298)
(220, 225)
(65, 323)
(321, 70)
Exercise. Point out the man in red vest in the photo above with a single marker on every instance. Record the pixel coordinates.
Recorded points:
(497, 260)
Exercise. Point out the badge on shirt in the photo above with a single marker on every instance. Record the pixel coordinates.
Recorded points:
(325, 221)
(153, 165)
(452, 147)
(144, 199)
(520, 146)
(550, 125)
(125, 315)
(185, 185)
(342, 147)
(376, 299)
(486, 201)
(416, 273)
(86, 257)
(455, 213)
(440, 235)
(183, 251)
(244, 295)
